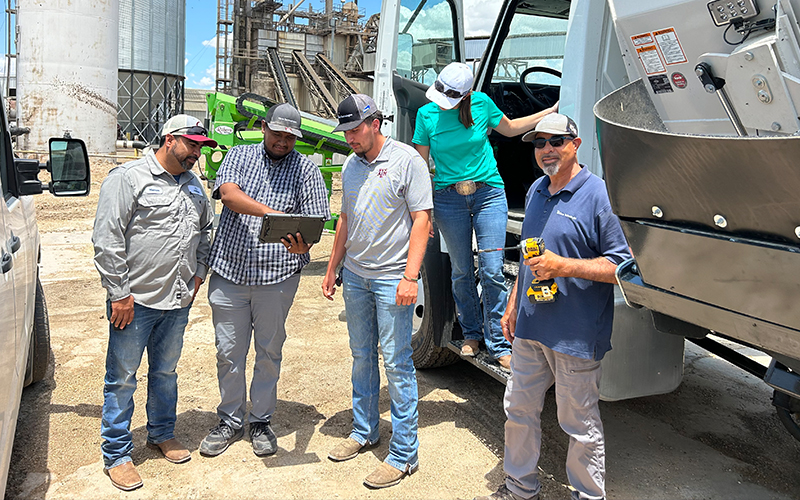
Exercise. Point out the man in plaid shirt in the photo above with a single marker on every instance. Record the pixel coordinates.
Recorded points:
(254, 283)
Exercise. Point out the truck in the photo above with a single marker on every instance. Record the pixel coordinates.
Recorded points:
(689, 109)
(25, 332)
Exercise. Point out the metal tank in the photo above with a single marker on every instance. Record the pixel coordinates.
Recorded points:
(67, 71)
(152, 37)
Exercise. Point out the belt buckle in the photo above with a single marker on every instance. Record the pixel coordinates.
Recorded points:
(465, 188)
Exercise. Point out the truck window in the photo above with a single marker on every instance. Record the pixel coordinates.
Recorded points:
(425, 44)
(532, 40)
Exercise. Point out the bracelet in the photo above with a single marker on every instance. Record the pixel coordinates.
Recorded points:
(414, 280)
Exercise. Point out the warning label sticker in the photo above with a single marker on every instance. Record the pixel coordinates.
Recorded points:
(643, 39)
(670, 46)
(650, 59)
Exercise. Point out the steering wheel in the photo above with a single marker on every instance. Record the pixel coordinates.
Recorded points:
(527, 91)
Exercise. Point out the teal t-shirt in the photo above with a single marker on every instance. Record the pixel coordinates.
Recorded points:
(460, 153)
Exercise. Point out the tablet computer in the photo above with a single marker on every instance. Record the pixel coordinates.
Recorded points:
(277, 226)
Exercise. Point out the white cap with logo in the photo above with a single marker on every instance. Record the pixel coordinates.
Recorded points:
(452, 84)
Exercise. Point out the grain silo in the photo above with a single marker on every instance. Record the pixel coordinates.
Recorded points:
(67, 71)
(152, 37)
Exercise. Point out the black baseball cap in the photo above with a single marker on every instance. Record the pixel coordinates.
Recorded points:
(284, 118)
(354, 110)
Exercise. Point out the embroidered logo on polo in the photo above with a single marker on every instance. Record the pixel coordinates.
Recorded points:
(559, 212)
(381, 173)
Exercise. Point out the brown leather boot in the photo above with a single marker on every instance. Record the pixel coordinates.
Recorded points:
(172, 450)
(125, 477)
(470, 348)
(386, 475)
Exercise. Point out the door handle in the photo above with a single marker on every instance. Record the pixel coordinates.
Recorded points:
(14, 243)
(7, 262)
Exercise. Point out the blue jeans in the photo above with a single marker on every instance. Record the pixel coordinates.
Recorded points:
(161, 332)
(373, 316)
(485, 212)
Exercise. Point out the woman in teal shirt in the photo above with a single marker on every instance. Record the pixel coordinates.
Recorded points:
(469, 195)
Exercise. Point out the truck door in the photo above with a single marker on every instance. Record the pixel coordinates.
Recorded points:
(10, 324)
(417, 39)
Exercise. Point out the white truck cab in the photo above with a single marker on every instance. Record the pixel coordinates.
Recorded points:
(577, 52)
(24, 327)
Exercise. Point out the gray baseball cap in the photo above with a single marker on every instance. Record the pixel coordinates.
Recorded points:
(354, 110)
(284, 118)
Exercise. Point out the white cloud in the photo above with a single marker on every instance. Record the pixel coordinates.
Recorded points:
(204, 83)
(185, 61)
(482, 17)
(213, 42)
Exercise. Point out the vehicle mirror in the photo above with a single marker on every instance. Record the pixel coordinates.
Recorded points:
(69, 167)
(27, 172)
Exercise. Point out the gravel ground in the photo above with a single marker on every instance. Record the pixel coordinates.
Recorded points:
(717, 436)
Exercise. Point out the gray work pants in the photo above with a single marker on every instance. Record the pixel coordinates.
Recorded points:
(237, 311)
(534, 368)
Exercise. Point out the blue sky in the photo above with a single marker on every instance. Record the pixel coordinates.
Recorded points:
(201, 31)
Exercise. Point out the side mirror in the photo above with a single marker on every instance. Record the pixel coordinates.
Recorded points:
(69, 167)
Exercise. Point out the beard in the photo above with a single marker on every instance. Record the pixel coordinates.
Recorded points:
(187, 162)
(551, 170)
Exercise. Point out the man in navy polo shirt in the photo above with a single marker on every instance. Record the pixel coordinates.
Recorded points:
(561, 342)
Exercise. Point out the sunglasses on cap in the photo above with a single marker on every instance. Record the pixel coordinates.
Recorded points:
(452, 94)
(193, 130)
(556, 141)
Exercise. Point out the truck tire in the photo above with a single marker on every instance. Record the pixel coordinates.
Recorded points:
(39, 353)
(423, 339)
(788, 409)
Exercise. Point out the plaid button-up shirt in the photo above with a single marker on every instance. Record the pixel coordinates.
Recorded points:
(291, 185)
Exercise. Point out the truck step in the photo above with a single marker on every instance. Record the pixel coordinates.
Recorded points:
(483, 361)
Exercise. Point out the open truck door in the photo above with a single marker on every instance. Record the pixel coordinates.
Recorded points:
(521, 70)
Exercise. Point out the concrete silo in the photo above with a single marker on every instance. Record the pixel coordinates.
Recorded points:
(152, 36)
(67, 71)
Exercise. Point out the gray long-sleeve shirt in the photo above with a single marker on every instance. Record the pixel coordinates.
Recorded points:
(151, 234)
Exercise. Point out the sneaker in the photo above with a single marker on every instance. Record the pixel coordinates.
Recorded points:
(263, 439)
(470, 348)
(347, 449)
(219, 438)
(503, 493)
(386, 475)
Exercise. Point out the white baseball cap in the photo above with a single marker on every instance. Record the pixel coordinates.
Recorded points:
(452, 84)
(554, 123)
(189, 127)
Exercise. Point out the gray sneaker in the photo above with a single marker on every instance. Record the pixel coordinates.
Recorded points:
(219, 438)
(503, 493)
(263, 439)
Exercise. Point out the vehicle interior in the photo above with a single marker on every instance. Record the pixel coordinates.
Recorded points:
(525, 67)
(524, 63)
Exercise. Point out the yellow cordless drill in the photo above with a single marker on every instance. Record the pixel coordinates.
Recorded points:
(540, 291)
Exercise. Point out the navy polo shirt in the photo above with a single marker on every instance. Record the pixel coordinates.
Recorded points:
(576, 222)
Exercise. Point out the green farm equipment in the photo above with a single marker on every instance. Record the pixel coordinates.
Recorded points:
(237, 120)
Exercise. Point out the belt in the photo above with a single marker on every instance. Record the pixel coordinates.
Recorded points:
(466, 187)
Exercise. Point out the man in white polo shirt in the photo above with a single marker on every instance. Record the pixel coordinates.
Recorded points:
(382, 236)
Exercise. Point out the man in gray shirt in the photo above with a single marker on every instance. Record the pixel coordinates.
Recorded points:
(151, 242)
(382, 236)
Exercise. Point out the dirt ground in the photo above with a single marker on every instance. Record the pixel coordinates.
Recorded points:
(717, 436)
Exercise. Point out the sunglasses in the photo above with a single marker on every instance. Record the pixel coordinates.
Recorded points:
(193, 130)
(555, 141)
(452, 94)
